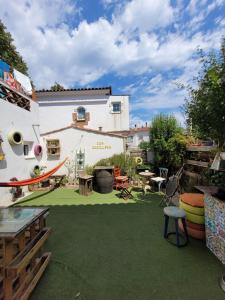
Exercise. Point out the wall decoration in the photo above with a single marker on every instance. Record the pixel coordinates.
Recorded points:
(15, 137)
(53, 148)
(2, 155)
(37, 150)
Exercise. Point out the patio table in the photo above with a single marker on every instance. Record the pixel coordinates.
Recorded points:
(147, 175)
(58, 179)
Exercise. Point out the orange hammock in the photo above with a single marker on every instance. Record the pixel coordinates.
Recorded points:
(32, 180)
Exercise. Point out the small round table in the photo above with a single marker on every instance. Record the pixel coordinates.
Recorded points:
(147, 175)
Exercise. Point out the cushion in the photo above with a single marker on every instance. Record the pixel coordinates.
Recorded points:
(192, 209)
(195, 218)
(193, 199)
(174, 212)
(195, 226)
(158, 179)
(196, 234)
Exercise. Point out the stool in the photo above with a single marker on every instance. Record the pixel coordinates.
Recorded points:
(175, 213)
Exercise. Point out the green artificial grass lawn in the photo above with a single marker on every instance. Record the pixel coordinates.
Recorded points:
(71, 197)
(106, 252)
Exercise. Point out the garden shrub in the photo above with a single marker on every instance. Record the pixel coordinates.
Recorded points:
(167, 142)
(126, 163)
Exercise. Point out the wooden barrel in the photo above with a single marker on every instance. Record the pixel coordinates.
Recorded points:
(103, 181)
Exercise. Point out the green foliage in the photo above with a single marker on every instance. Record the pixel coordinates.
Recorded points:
(37, 171)
(167, 141)
(205, 106)
(144, 145)
(215, 178)
(177, 148)
(164, 127)
(8, 51)
(57, 87)
(89, 170)
(126, 163)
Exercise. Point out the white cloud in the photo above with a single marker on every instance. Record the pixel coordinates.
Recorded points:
(145, 15)
(137, 121)
(127, 45)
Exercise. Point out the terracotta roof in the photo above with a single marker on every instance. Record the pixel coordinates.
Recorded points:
(83, 129)
(131, 131)
(77, 90)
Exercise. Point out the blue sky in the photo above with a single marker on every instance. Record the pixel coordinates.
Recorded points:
(139, 47)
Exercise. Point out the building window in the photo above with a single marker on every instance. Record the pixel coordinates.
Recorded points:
(116, 107)
(130, 139)
(26, 150)
(81, 113)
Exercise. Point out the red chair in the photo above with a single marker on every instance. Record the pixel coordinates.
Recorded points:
(122, 183)
(119, 181)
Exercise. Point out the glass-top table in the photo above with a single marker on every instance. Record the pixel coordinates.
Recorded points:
(14, 219)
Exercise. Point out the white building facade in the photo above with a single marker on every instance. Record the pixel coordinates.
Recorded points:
(134, 136)
(63, 125)
(72, 140)
(94, 108)
(138, 135)
(17, 159)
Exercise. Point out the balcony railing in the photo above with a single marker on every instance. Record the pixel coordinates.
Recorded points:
(13, 96)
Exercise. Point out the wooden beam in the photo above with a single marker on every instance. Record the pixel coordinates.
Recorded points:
(197, 163)
(201, 148)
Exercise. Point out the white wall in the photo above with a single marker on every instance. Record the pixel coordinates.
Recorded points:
(15, 164)
(138, 137)
(73, 139)
(56, 112)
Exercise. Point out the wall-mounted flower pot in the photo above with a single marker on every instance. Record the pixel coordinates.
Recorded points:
(15, 137)
(37, 150)
(35, 171)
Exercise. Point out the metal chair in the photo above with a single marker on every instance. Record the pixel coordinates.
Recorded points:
(171, 189)
(163, 172)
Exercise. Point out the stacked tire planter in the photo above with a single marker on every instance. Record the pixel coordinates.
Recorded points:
(193, 204)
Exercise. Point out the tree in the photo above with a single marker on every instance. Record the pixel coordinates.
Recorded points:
(8, 51)
(167, 141)
(144, 145)
(57, 87)
(205, 106)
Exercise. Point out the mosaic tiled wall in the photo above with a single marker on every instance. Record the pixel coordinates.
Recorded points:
(215, 226)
